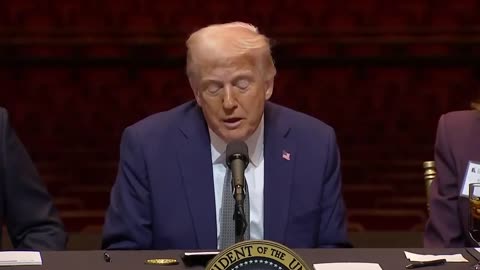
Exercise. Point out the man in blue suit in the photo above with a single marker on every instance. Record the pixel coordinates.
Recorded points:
(26, 207)
(168, 192)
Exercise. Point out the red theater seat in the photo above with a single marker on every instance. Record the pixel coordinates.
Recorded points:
(385, 220)
(77, 221)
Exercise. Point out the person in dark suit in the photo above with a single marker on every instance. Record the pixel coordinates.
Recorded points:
(456, 145)
(168, 191)
(25, 206)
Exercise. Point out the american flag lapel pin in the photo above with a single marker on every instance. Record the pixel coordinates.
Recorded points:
(285, 155)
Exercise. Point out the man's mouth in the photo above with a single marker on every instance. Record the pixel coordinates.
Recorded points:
(233, 122)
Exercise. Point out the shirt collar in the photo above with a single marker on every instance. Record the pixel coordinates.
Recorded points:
(254, 143)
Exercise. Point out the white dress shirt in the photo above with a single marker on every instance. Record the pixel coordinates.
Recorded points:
(253, 174)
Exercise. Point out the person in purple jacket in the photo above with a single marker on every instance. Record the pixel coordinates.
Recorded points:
(457, 151)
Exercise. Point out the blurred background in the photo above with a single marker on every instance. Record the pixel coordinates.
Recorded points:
(74, 74)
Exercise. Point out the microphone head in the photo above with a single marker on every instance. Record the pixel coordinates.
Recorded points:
(237, 150)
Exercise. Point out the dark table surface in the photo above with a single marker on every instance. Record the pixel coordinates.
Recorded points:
(388, 258)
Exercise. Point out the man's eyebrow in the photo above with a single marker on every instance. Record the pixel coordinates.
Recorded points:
(207, 81)
(246, 75)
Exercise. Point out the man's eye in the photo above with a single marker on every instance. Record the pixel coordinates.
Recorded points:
(243, 84)
(213, 89)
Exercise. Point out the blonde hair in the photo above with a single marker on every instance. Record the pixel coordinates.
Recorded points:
(221, 43)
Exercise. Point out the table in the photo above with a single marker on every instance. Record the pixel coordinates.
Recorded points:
(388, 258)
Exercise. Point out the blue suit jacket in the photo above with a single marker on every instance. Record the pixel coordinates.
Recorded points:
(26, 207)
(163, 197)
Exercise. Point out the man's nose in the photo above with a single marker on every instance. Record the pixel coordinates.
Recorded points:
(229, 98)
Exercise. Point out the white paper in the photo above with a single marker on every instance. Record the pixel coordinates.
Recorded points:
(8, 258)
(201, 253)
(423, 258)
(347, 265)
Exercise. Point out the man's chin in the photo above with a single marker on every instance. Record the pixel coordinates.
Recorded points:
(234, 136)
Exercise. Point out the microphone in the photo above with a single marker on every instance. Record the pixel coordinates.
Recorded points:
(237, 161)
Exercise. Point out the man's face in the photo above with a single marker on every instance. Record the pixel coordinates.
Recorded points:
(232, 97)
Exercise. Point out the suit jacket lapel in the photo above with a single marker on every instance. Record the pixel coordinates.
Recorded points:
(279, 167)
(196, 167)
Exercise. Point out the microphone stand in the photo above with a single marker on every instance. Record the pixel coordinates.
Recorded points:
(239, 214)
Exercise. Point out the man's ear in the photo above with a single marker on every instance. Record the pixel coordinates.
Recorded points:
(195, 91)
(268, 88)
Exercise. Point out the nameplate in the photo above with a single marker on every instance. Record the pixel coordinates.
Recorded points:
(472, 176)
(257, 255)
